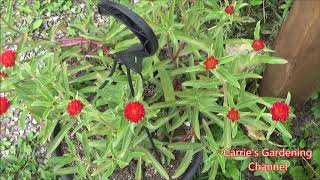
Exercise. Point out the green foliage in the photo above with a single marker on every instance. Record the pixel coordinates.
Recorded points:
(22, 163)
(188, 33)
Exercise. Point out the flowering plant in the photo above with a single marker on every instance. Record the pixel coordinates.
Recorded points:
(196, 85)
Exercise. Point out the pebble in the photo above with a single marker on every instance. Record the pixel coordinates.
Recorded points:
(11, 131)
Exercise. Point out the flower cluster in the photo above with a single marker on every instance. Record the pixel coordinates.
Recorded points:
(74, 107)
(229, 9)
(210, 63)
(4, 105)
(279, 112)
(134, 111)
(8, 58)
(258, 44)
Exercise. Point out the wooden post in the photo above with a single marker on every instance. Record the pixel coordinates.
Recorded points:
(299, 43)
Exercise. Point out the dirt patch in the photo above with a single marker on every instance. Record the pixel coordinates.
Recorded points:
(149, 173)
(126, 173)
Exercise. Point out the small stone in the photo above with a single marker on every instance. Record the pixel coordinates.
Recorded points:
(15, 118)
(34, 121)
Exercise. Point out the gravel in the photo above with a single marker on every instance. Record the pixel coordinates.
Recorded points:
(10, 130)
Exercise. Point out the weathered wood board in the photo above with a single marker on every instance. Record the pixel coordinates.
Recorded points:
(298, 42)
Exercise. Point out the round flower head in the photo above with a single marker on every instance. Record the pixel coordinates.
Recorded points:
(211, 63)
(233, 115)
(134, 111)
(8, 58)
(280, 111)
(258, 44)
(74, 107)
(229, 9)
(4, 105)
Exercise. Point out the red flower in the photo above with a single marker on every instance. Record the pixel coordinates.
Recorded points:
(280, 111)
(3, 74)
(74, 107)
(134, 111)
(4, 105)
(257, 45)
(233, 114)
(8, 58)
(210, 63)
(229, 9)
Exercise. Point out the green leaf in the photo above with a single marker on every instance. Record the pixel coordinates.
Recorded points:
(316, 156)
(148, 157)
(126, 140)
(194, 68)
(247, 103)
(162, 121)
(214, 118)
(184, 146)
(226, 137)
(218, 51)
(268, 60)
(288, 99)
(255, 2)
(198, 43)
(37, 24)
(195, 122)
(67, 170)
(22, 42)
(60, 160)
(85, 145)
(257, 31)
(167, 86)
(65, 79)
(297, 172)
(213, 172)
(283, 130)
(258, 124)
(185, 162)
(203, 83)
(213, 108)
(271, 129)
(228, 59)
(138, 173)
(228, 77)
(167, 152)
(81, 170)
(8, 14)
(22, 118)
(56, 141)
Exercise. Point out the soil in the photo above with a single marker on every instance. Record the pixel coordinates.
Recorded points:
(149, 173)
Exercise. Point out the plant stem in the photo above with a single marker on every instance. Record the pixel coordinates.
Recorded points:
(176, 55)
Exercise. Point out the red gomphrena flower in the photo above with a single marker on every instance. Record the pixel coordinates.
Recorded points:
(74, 107)
(280, 111)
(258, 44)
(134, 111)
(229, 9)
(211, 63)
(3, 74)
(233, 115)
(4, 105)
(8, 58)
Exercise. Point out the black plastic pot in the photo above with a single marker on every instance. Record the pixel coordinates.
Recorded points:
(132, 58)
